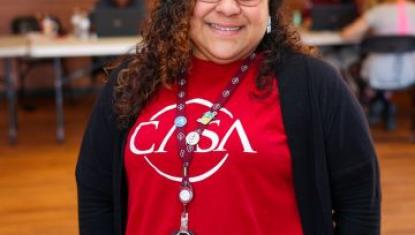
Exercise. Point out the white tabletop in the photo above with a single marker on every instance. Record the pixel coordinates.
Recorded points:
(41, 47)
(13, 46)
(37, 46)
(324, 38)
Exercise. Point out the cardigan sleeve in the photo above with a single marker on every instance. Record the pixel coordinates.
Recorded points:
(350, 155)
(94, 169)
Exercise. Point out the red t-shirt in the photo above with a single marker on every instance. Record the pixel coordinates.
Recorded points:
(242, 173)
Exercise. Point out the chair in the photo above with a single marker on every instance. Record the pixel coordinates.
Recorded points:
(25, 24)
(397, 45)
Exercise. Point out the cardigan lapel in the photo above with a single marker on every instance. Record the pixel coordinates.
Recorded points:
(293, 81)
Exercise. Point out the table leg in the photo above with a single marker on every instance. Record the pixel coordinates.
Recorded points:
(60, 130)
(11, 98)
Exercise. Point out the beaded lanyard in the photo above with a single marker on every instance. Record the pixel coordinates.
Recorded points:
(187, 143)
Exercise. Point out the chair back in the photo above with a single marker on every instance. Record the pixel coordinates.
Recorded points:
(25, 24)
(388, 44)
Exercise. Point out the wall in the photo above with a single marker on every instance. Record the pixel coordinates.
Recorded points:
(61, 8)
(42, 76)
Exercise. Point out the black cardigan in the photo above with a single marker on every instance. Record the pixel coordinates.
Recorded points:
(336, 177)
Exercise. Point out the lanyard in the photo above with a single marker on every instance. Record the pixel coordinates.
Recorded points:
(187, 142)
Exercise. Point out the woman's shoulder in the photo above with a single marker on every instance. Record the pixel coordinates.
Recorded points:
(311, 75)
(114, 70)
(380, 10)
(386, 7)
(106, 96)
(299, 66)
(293, 59)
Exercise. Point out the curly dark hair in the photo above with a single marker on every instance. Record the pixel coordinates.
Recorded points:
(165, 52)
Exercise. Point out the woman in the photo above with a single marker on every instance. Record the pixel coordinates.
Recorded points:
(223, 125)
(386, 72)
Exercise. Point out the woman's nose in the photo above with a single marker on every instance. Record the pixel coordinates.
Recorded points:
(228, 7)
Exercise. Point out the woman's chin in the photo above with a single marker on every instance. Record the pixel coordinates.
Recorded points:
(222, 56)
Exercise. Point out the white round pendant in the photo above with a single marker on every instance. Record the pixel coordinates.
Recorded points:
(185, 195)
(180, 121)
(192, 138)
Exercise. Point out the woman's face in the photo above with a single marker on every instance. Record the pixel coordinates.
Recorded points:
(226, 31)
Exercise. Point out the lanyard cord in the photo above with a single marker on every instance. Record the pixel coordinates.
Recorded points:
(187, 142)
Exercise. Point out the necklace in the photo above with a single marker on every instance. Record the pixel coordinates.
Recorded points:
(187, 142)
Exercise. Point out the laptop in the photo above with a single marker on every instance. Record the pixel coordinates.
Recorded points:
(332, 17)
(110, 22)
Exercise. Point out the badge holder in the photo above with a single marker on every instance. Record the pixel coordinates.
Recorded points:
(184, 222)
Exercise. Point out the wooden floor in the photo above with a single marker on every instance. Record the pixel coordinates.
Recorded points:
(37, 187)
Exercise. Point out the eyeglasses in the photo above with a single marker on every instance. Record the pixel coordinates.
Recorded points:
(247, 3)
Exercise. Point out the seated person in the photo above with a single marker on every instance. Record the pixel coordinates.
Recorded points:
(100, 62)
(309, 4)
(340, 56)
(393, 17)
(118, 3)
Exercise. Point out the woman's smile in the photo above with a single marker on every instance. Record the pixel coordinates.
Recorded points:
(225, 29)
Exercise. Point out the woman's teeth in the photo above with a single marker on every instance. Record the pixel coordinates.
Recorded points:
(225, 28)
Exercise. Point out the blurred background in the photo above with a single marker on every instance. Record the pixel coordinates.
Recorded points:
(51, 57)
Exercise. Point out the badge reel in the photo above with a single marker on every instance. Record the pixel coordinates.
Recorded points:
(185, 196)
(184, 225)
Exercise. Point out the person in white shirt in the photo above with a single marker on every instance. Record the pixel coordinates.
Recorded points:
(385, 72)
